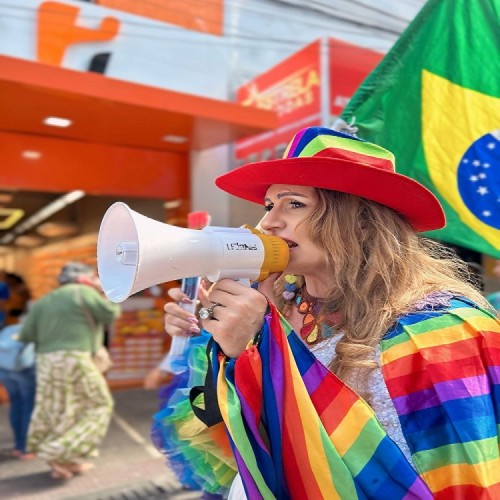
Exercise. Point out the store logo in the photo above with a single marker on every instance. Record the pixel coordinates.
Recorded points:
(58, 29)
(293, 92)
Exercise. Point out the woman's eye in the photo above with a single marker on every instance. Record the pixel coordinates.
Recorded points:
(296, 204)
(269, 207)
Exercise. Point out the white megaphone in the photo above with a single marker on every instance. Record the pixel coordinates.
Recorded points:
(135, 252)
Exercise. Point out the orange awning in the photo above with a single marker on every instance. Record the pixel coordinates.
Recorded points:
(114, 145)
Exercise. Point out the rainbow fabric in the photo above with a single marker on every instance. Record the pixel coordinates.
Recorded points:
(297, 431)
(320, 439)
(200, 456)
(442, 370)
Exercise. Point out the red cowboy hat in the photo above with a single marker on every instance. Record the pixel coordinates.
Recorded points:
(324, 158)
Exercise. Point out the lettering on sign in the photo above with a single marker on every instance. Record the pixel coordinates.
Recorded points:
(293, 92)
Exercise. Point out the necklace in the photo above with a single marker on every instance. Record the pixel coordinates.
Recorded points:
(313, 330)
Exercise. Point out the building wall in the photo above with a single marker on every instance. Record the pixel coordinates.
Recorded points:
(186, 54)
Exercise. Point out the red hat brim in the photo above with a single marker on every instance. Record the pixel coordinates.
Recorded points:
(403, 194)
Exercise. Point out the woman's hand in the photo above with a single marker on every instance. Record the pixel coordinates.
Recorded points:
(237, 318)
(178, 321)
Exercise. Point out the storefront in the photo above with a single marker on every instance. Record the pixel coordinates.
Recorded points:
(128, 136)
(70, 125)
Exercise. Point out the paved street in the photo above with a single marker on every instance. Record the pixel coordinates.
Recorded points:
(129, 466)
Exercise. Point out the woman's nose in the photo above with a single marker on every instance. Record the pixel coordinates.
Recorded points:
(271, 221)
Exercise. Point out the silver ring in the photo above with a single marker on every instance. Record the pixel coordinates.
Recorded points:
(208, 312)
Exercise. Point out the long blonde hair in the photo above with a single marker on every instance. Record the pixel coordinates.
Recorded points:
(380, 268)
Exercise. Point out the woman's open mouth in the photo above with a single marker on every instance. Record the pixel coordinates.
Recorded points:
(291, 244)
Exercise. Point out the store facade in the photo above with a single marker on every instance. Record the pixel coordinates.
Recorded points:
(151, 108)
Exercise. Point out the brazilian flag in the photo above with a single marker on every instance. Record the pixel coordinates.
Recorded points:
(434, 101)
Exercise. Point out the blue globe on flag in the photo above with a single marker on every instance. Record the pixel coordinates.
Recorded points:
(479, 178)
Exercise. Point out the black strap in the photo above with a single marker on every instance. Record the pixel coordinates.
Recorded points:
(211, 414)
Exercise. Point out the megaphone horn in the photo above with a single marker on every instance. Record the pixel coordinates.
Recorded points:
(135, 252)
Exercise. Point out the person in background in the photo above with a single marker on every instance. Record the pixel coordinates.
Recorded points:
(365, 369)
(4, 297)
(17, 375)
(157, 376)
(73, 404)
(494, 298)
(19, 297)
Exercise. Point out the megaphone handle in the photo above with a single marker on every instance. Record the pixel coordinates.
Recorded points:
(175, 359)
(190, 287)
(177, 346)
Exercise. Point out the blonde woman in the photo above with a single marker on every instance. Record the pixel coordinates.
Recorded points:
(410, 400)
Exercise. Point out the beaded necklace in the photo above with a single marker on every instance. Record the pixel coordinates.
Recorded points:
(313, 328)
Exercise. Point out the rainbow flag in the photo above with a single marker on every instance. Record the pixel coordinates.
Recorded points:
(198, 454)
(442, 371)
(299, 432)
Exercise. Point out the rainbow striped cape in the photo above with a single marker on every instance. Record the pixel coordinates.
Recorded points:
(442, 370)
(297, 431)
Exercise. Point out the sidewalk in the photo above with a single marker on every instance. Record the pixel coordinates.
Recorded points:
(128, 467)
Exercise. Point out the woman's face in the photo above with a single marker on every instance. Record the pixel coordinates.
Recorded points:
(288, 210)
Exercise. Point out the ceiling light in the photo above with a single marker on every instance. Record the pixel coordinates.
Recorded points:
(31, 155)
(29, 241)
(42, 215)
(6, 197)
(73, 196)
(55, 121)
(170, 205)
(175, 139)
(55, 229)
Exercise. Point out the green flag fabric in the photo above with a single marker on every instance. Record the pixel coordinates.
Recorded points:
(434, 101)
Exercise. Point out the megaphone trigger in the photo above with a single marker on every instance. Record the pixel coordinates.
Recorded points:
(135, 252)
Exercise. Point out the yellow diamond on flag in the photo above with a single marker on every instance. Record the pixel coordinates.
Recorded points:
(453, 119)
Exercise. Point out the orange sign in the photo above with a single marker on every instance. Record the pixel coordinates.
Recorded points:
(349, 66)
(198, 16)
(292, 89)
(58, 29)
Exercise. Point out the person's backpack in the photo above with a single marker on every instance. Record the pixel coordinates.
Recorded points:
(15, 355)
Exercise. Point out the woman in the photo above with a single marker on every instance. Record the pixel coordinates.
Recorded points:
(73, 404)
(405, 338)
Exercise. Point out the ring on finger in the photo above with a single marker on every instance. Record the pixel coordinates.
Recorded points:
(208, 312)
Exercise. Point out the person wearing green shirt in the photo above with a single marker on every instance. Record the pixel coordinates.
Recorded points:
(73, 404)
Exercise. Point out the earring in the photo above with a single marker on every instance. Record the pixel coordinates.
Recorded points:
(290, 287)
